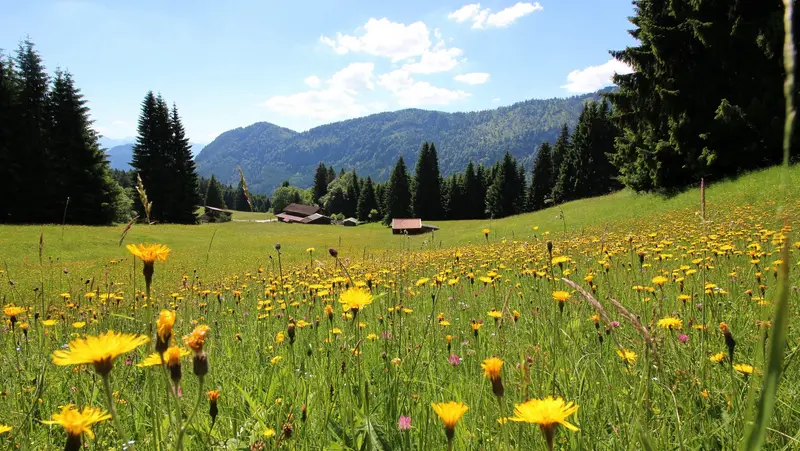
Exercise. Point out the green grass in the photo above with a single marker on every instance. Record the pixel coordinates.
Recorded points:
(672, 397)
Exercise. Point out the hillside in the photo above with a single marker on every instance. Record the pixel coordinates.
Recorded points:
(269, 154)
(120, 156)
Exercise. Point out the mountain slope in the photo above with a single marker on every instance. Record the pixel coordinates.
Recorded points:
(269, 154)
(120, 156)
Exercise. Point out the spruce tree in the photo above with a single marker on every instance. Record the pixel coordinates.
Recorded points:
(352, 194)
(148, 160)
(34, 198)
(473, 191)
(331, 175)
(366, 200)
(426, 192)
(214, 195)
(241, 199)
(541, 178)
(456, 199)
(398, 193)
(83, 173)
(320, 183)
(502, 198)
(184, 176)
(559, 151)
(9, 164)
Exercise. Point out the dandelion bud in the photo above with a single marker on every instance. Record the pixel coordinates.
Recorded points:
(291, 332)
(200, 365)
(213, 410)
(278, 247)
(334, 253)
(549, 247)
(729, 341)
(303, 413)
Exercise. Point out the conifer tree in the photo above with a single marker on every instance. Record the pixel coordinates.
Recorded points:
(9, 165)
(474, 194)
(353, 190)
(83, 173)
(398, 193)
(426, 192)
(559, 151)
(214, 195)
(331, 175)
(241, 198)
(320, 183)
(366, 200)
(541, 178)
(456, 199)
(34, 198)
(184, 177)
(502, 198)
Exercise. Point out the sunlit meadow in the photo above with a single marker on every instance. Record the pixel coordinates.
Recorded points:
(641, 325)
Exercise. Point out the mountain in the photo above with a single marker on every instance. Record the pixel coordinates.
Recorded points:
(120, 156)
(108, 143)
(269, 154)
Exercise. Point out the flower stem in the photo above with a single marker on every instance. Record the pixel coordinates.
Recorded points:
(112, 409)
(179, 444)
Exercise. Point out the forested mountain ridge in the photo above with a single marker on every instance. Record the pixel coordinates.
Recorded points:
(269, 154)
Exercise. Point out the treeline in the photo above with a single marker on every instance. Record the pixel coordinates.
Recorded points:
(706, 95)
(576, 166)
(52, 169)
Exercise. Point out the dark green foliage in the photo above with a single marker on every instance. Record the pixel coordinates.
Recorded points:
(454, 199)
(503, 197)
(320, 182)
(586, 170)
(372, 144)
(352, 194)
(162, 156)
(541, 178)
(398, 194)
(367, 202)
(427, 192)
(285, 195)
(241, 198)
(474, 192)
(706, 98)
(82, 174)
(214, 196)
(559, 150)
(51, 166)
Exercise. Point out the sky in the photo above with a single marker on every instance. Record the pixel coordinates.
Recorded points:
(300, 64)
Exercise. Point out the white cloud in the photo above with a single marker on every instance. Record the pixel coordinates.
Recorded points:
(474, 78)
(595, 77)
(353, 77)
(338, 101)
(382, 37)
(313, 81)
(465, 13)
(481, 18)
(439, 60)
(496, 99)
(409, 93)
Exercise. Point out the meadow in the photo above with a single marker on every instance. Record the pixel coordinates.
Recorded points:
(653, 320)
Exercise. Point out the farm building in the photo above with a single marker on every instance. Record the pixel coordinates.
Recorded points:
(303, 214)
(411, 226)
(213, 214)
(350, 222)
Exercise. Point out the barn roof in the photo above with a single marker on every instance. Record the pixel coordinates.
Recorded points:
(285, 217)
(301, 210)
(406, 223)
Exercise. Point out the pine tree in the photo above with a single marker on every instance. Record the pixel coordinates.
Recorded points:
(474, 194)
(541, 178)
(148, 160)
(398, 193)
(331, 175)
(214, 195)
(352, 194)
(559, 151)
(366, 200)
(184, 180)
(320, 182)
(30, 144)
(521, 188)
(502, 198)
(426, 192)
(241, 199)
(456, 199)
(83, 173)
(9, 164)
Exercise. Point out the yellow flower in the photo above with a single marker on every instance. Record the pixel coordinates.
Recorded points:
(279, 338)
(310, 250)
(276, 359)
(149, 253)
(197, 339)
(486, 232)
(269, 433)
(166, 319)
(491, 368)
(79, 324)
(213, 395)
(547, 413)
(450, 413)
(4, 428)
(660, 280)
(154, 359)
(495, 314)
(49, 322)
(355, 299)
(13, 311)
(99, 350)
(718, 357)
(670, 323)
(744, 368)
(422, 281)
(77, 422)
(561, 259)
(561, 296)
(629, 357)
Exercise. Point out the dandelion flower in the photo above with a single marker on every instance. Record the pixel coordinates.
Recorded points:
(166, 319)
(99, 350)
(196, 340)
(491, 369)
(154, 359)
(561, 296)
(5, 428)
(660, 280)
(547, 413)
(744, 368)
(629, 357)
(670, 323)
(13, 311)
(450, 413)
(149, 253)
(718, 357)
(355, 299)
(77, 422)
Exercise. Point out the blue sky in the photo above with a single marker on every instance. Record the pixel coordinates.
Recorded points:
(300, 64)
